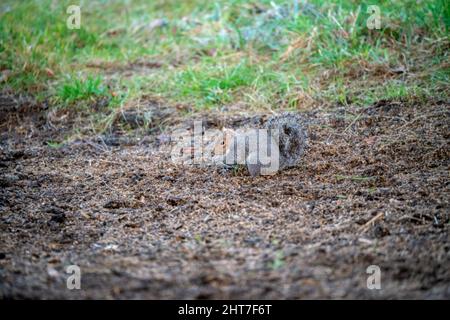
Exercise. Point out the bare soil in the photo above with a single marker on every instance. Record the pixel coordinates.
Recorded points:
(373, 189)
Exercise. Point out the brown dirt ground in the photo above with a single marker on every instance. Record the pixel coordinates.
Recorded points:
(373, 189)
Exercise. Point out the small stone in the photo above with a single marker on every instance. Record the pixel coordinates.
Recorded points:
(52, 272)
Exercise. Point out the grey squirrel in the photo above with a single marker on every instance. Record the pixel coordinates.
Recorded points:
(261, 147)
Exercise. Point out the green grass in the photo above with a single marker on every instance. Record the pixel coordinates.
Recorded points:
(81, 89)
(278, 261)
(214, 85)
(261, 54)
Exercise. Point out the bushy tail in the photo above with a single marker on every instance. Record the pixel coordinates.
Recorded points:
(292, 137)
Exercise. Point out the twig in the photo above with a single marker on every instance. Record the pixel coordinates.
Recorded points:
(367, 225)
